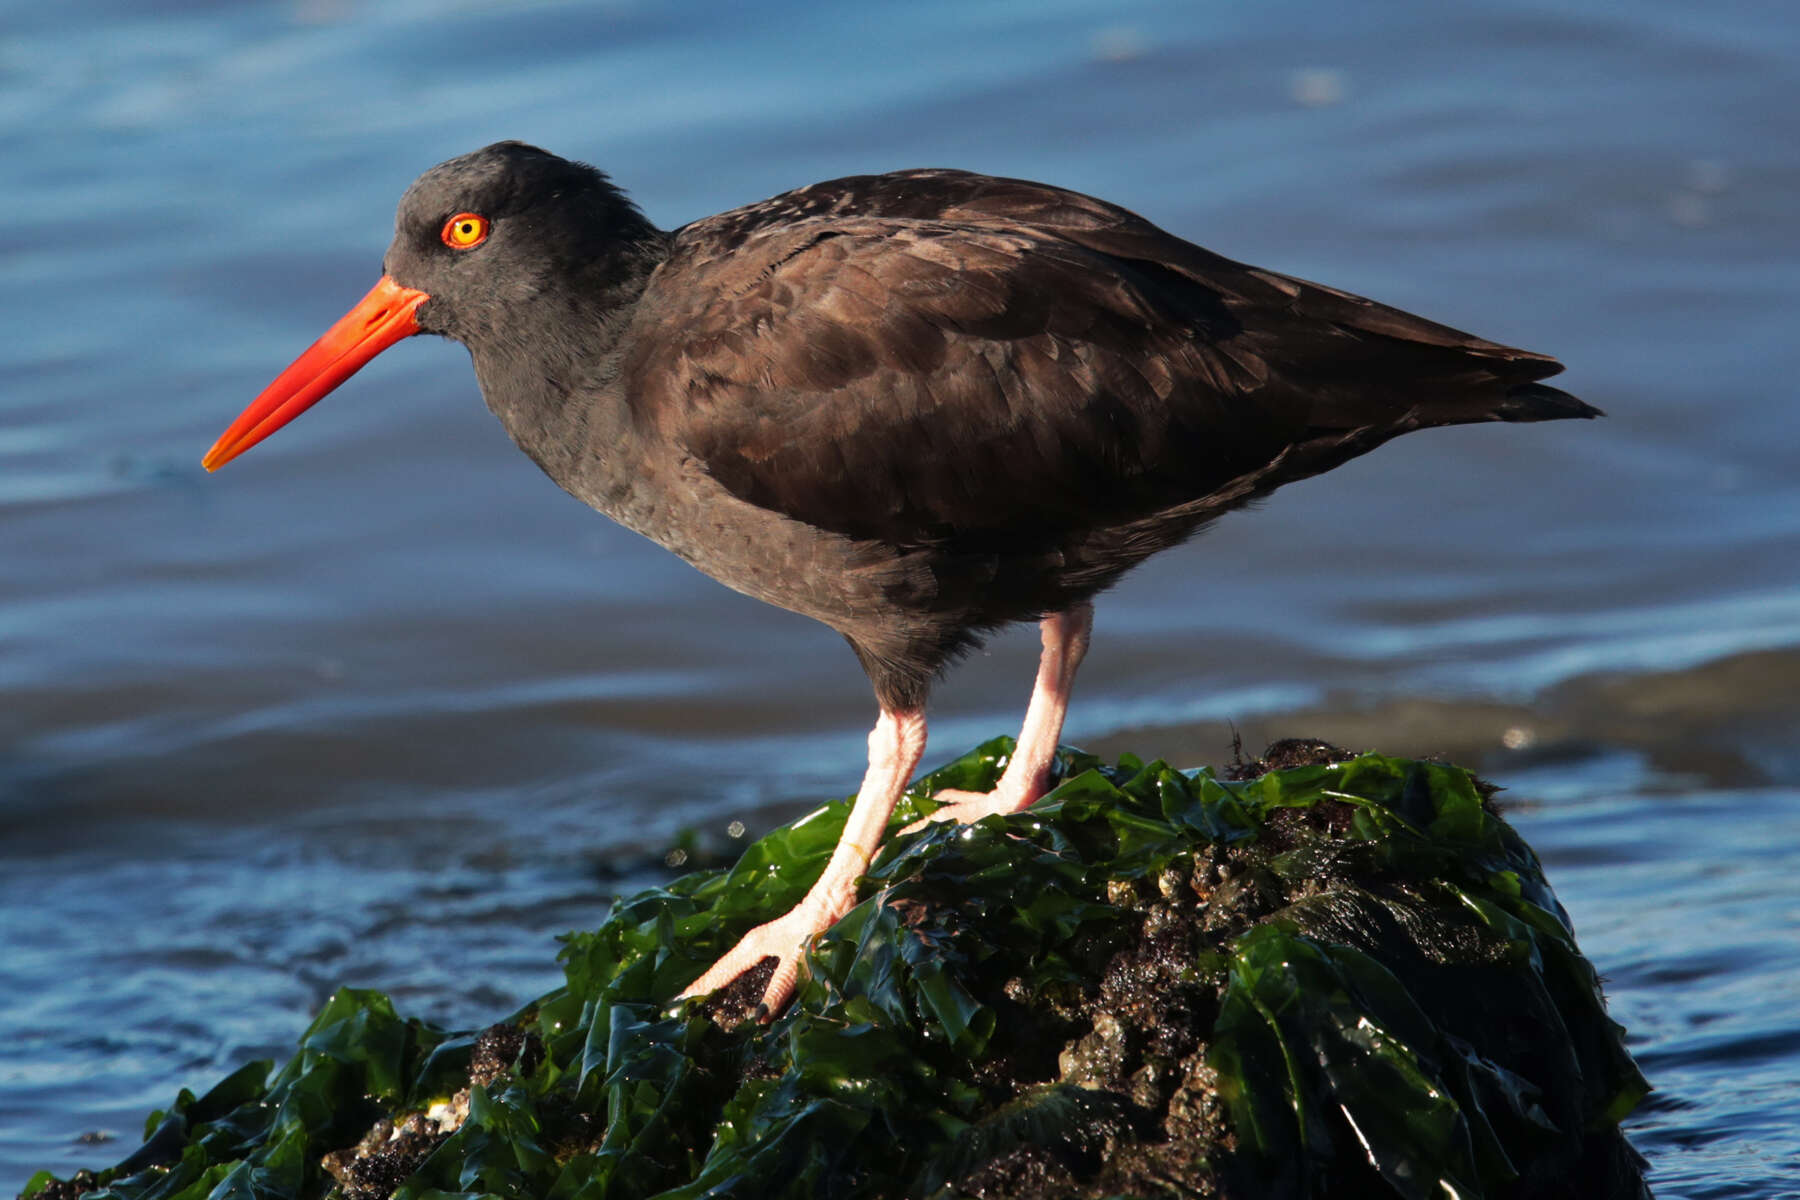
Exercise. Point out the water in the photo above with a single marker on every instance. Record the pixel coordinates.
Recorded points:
(1686, 899)
(378, 705)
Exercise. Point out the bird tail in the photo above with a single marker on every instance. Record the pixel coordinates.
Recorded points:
(1538, 402)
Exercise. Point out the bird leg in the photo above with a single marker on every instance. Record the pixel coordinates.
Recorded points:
(895, 747)
(1027, 774)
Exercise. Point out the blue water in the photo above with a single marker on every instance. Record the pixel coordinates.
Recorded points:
(378, 705)
(1686, 899)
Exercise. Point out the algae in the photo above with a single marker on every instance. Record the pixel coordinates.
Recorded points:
(1345, 977)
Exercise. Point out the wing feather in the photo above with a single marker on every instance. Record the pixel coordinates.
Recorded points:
(931, 356)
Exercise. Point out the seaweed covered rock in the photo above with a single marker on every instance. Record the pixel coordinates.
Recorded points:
(1319, 976)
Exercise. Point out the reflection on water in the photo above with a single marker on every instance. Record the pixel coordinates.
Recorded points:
(340, 712)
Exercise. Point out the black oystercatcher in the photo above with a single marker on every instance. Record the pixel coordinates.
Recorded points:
(913, 406)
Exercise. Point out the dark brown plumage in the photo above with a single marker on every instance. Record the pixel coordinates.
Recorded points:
(914, 406)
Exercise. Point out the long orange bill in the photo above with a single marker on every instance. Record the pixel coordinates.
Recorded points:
(380, 319)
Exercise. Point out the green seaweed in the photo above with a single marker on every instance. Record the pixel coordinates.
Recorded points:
(1361, 961)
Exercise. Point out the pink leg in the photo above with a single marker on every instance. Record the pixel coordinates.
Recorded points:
(1027, 773)
(895, 747)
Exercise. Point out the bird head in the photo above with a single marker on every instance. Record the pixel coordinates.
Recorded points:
(478, 241)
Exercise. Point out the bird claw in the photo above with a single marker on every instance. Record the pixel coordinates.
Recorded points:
(965, 808)
(783, 940)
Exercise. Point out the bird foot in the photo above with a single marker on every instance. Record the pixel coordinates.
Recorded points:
(784, 940)
(965, 808)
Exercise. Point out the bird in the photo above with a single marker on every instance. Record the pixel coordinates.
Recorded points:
(916, 406)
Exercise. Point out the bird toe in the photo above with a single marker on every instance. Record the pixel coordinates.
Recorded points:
(782, 940)
(965, 807)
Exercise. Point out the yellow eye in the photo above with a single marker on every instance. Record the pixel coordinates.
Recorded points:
(465, 231)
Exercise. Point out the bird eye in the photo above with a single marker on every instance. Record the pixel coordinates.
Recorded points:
(465, 231)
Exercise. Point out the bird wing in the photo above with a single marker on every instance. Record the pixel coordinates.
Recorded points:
(932, 355)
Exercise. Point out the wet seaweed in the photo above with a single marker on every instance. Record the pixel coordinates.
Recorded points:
(1326, 976)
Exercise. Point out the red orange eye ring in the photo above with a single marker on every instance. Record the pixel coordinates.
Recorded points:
(465, 231)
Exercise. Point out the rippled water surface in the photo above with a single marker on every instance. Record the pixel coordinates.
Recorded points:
(379, 705)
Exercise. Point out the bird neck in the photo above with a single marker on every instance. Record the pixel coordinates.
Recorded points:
(551, 373)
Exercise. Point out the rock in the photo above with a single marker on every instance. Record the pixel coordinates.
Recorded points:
(1317, 974)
